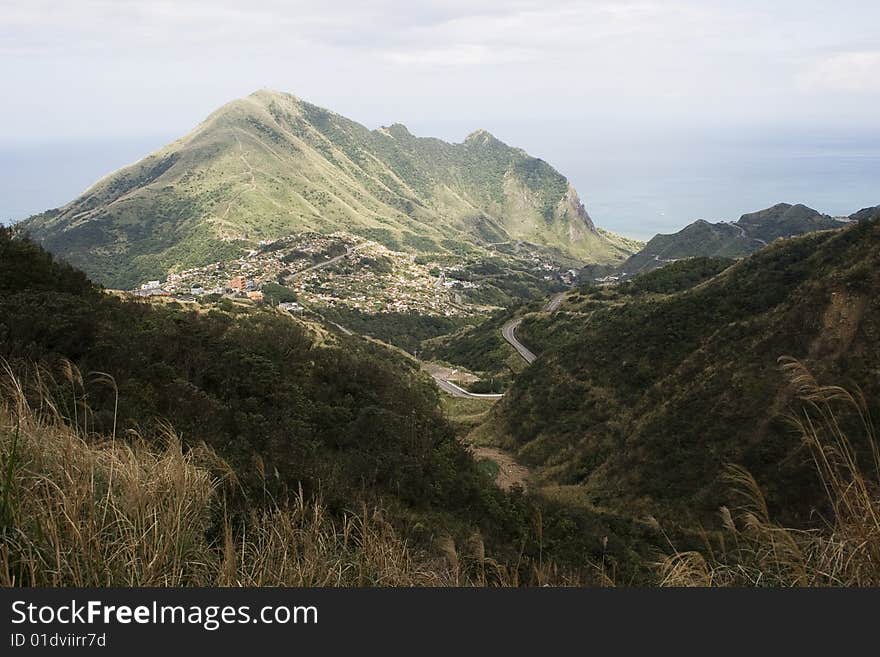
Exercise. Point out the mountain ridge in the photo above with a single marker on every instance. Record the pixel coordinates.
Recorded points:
(751, 232)
(270, 164)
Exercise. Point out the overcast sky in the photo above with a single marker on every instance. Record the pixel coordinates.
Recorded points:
(75, 68)
(530, 72)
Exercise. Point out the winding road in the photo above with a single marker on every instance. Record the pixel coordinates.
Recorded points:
(508, 332)
(326, 263)
(456, 391)
(742, 233)
(555, 301)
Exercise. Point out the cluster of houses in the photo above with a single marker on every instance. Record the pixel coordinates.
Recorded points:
(552, 272)
(569, 277)
(403, 284)
(238, 286)
(611, 279)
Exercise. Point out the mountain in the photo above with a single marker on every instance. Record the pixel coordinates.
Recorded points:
(639, 398)
(730, 240)
(270, 164)
(294, 409)
(290, 410)
(866, 214)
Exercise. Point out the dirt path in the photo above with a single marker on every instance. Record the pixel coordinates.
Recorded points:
(510, 473)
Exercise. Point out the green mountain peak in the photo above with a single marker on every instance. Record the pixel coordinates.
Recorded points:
(270, 164)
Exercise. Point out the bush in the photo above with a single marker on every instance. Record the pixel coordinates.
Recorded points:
(275, 294)
(845, 550)
(92, 513)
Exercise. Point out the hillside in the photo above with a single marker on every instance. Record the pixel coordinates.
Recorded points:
(295, 412)
(749, 233)
(641, 393)
(270, 164)
(158, 524)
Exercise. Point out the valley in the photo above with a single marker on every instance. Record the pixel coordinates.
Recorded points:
(347, 318)
(609, 411)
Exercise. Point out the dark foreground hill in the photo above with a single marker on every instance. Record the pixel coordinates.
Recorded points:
(297, 414)
(642, 393)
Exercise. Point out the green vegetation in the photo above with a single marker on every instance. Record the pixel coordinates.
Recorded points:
(639, 398)
(84, 512)
(625, 243)
(844, 550)
(404, 330)
(286, 454)
(728, 240)
(784, 220)
(270, 419)
(270, 165)
(478, 348)
(501, 281)
(275, 294)
(676, 277)
(493, 384)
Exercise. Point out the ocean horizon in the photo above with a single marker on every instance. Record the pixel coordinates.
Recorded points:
(635, 187)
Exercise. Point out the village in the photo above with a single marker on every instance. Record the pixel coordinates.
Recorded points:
(311, 270)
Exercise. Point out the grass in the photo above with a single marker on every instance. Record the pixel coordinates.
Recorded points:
(490, 467)
(844, 550)
(78, 509)
(81, 509)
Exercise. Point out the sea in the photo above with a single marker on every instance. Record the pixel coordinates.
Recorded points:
(637, 186)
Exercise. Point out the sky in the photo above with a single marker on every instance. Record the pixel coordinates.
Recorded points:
(568, 81)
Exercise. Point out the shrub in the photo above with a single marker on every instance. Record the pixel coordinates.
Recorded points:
(844, 550)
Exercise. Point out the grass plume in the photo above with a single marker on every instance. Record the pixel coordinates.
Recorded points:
(78, 509)
(844, 549)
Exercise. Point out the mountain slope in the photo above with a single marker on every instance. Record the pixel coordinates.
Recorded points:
(637, 400)
(292, 408)
(270, 164)
(729, 240)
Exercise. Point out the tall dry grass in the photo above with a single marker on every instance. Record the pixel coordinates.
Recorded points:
(845, 549)
(79, 509)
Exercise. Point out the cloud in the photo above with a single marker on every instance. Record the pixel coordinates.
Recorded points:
(459, 55)
(147, 61)
(851, 72)
(389, 26)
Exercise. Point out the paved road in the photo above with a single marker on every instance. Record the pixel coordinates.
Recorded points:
(555, 301)
(742, 233)
(326, 263)
(342, 328)
(456, 391)
(508, 332)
